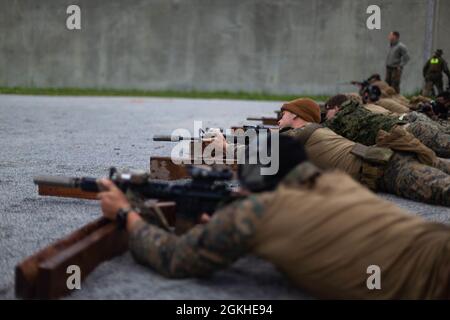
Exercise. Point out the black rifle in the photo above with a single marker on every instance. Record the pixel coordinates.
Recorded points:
(203, 134)
(363, 84)
(256, 128)
(204, 193)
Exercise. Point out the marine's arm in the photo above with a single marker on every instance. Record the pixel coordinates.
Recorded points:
(201, 251)
(230, 150)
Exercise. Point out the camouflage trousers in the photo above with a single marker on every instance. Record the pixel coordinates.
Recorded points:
(439, 124)
(405, 176)
(444, 124)
(431, 134)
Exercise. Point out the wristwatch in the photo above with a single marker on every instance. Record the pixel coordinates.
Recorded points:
(122, 216)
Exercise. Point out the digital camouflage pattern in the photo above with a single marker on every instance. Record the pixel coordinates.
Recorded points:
(431, 136)
(321, 231)
(202, 250)
(445, 124)
(443, 165)
(404, 175)
(408, 178)
(439, 124)
(360, 125)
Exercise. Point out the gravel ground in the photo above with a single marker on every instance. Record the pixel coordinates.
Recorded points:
(85, 136)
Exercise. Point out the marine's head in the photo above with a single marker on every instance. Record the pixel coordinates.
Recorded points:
(374, 77)
(333, 105)
(299, 112)
(371, 94)
(290, 154)
(438, 53)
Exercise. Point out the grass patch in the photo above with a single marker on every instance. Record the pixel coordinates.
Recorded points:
(157, 93)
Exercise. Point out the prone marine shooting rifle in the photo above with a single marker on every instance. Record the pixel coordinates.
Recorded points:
(204, 193)
(239, 136)
(210, 132)
(44, 274)
(267, 120)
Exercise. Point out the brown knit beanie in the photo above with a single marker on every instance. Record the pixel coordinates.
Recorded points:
(305, 108)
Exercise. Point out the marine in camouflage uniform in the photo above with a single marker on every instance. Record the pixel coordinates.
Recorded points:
(358, 124)
(403, 175)
(445, 124)
(431, 133)
(439, 124)
(321, 230)
(329, 150)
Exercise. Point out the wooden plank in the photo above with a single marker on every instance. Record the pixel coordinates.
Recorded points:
(56, 191)
(26, 272)
(164, 168)
(105, 243)
(43, 275)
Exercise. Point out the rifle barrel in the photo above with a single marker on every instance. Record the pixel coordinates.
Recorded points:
(169, 138)
(56, 181)
(255, 118)
(87, 184)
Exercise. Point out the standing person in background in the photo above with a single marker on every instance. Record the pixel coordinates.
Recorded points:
(432, 72)
(396, 59)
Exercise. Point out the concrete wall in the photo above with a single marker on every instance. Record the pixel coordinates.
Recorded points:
(441, 39)
(278, 46)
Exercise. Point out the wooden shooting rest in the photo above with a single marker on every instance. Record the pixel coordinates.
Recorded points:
(44, 274)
